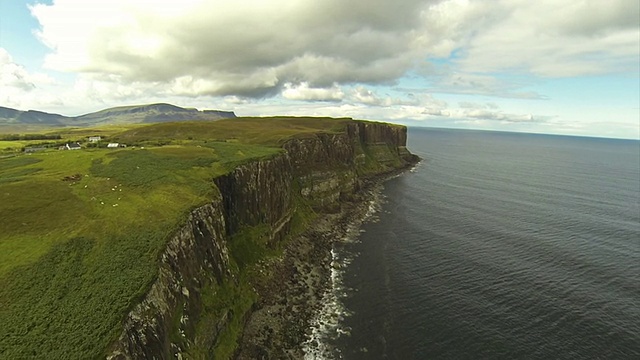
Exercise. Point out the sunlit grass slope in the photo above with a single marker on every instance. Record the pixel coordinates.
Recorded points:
(81, 230)
(263, 131)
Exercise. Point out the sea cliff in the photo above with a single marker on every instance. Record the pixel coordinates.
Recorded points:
(202, 299)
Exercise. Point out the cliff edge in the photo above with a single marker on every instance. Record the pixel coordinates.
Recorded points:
(212, 269)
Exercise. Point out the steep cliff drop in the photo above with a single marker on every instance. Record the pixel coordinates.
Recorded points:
(210, 297)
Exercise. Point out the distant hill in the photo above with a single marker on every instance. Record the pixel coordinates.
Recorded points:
(150, 113)
(31, 117)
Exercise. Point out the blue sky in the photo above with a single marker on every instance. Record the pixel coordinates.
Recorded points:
(549, 66)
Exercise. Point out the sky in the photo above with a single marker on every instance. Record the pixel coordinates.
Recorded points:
(546, 66)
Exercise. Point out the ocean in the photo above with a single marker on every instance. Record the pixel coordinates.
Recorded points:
(496, 246)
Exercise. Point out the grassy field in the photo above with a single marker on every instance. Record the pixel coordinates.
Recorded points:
(81, 230)
(66, 135)
(10, 145)
(263, 131)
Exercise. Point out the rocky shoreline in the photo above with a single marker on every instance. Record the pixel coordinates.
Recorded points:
(280, 326)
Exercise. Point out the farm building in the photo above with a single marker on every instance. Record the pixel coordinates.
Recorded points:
(34, 149)
(72, 146)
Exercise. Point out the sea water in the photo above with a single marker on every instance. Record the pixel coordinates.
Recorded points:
(497, 246)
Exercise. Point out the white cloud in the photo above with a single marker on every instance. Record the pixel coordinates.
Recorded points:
(555, 38)
(496, 115)
(252, 48)
(247, 48)
(366, 96)
(362, 95)
(19, 87)
(481, 84)
(304, 92)
(471, 111)
(14, 77)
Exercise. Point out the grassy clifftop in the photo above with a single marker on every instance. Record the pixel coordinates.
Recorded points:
(81, 230)
(261, 131)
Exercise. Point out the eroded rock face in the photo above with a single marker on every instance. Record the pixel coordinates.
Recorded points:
(323, 168)
(196, 254)
(257, 193)
(373, 133)
(322, 151)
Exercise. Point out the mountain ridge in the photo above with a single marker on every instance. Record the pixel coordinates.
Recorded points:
(131, 114)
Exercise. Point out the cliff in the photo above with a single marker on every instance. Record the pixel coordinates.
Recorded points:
(268, 198)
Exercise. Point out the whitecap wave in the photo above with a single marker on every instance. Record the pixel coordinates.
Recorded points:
(327, 325)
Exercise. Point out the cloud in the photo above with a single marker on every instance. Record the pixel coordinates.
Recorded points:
(487, 111)
(247, 48)
(596, 18)
(304, 92)
(473, 105)
(362, 95)
(13, 75)
(488, 48)
(553, 38)
(481, 84)
(20, 87)
(366, 96)
(258, 49)
(496, 115)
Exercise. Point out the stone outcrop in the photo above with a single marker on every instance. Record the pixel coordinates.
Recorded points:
(195, 255)
(257, 193)
(321, 168)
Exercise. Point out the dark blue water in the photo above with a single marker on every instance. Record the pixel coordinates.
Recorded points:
(499, 246)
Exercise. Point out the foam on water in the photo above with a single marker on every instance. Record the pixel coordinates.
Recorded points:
(328, 322)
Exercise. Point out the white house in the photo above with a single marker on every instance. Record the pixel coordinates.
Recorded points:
(95, 138)
(74, 146)
(116, 145)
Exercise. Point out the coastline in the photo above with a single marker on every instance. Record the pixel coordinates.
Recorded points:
(288, 320)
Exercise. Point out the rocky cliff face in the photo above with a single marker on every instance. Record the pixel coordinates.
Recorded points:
(196, 255)
(322, 169)
(258, 193)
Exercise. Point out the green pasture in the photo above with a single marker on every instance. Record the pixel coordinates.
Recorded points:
(263, 131)
(5, 145)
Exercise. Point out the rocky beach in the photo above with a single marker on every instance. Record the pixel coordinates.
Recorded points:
(298, 303)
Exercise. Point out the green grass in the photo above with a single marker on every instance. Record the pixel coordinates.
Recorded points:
(13, 145)
(377, 159)
(118, 189)
(75, 256)
(149, 168)
(250, 245)
(263, 131)
(231, 298)
(74, 295)
(16, 162)
(17, 175)
(106, 131)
